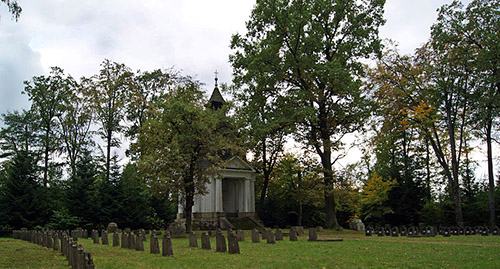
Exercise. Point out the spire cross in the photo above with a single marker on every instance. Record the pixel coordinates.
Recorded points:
(216, 73)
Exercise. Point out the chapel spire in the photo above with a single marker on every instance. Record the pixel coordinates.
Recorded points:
(216, 100)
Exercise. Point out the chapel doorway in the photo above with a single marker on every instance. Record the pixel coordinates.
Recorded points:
(230, 194)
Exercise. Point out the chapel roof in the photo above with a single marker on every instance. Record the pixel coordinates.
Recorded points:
(216, 100)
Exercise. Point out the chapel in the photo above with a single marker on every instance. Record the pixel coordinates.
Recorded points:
(230, 195)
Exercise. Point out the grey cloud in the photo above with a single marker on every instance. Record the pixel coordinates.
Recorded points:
(18, 62)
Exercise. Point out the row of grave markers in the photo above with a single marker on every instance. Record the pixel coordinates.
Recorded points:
(431, 231)
(131, 240)
(74, 253)
(79, 259)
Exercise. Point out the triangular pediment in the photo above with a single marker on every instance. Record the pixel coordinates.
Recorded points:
(237, 163)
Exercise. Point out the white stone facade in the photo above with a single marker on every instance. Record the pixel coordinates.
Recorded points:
(230, 194)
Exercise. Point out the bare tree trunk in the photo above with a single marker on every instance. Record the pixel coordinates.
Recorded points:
(267, 175)
(188, 209)
(331, 216)
(299, 215)
(108, 153)
(491, 178)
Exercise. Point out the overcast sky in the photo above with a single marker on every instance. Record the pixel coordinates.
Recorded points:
(190, 35)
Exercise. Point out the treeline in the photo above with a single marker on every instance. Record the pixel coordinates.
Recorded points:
(55, 173)
(300, 74)
(301, 71)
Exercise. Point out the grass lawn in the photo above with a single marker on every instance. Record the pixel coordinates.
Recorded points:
(355, 251)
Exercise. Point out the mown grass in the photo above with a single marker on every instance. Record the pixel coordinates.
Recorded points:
(355, 251)
(21, 254)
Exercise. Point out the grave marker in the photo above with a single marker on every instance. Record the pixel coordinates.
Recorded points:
(313, 236)
(380, 231)
(116, 239)
(293, 234)
(154, 244)
(220, 241)
(495, 231)
(233, 246)
(193, 242)
(166, 248)
(270, 237)
(205, 241)
(240, 235)
(104, 236)
(394, 232)
(279, 235)
(131, 240)
(124, 240)
(255, 236)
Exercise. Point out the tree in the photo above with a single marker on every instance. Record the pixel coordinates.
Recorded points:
(434, 88)
(75, 122)
(47, 95)
(375, 194)
(19, 133)
(315, 48)
(300, 178)
(266, 122)
(148, 88)
(18, 187)
(401, 150)
(81, 195)
(475, 29)
(182, 145)
(14, 8)
(134, 197)
(106, 93)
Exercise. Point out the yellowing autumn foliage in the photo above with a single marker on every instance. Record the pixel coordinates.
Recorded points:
(375, 193)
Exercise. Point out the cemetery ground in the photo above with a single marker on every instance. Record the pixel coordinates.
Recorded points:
(356, 250)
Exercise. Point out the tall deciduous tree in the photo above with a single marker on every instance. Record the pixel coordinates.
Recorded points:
(475, 30)
(264, 116)
(75, 121)
(433, 93)
(401, 150)
(47, 93)
(315, 48)
(106, 93)
(148, 88)
(181, 146)
(19, 133)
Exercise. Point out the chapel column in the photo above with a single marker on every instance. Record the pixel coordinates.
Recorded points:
(247, 195)
(218, 195)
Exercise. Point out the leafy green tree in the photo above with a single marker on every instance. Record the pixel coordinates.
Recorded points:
(47, 95)
(475, 30)
(18, 133)
(401, 151)
(433, 91)
(14, 8)
(75, 121)
(266, 123)
(148, 87)
(107, 96)
(300, 178)
(182, 145)
(315, 49)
